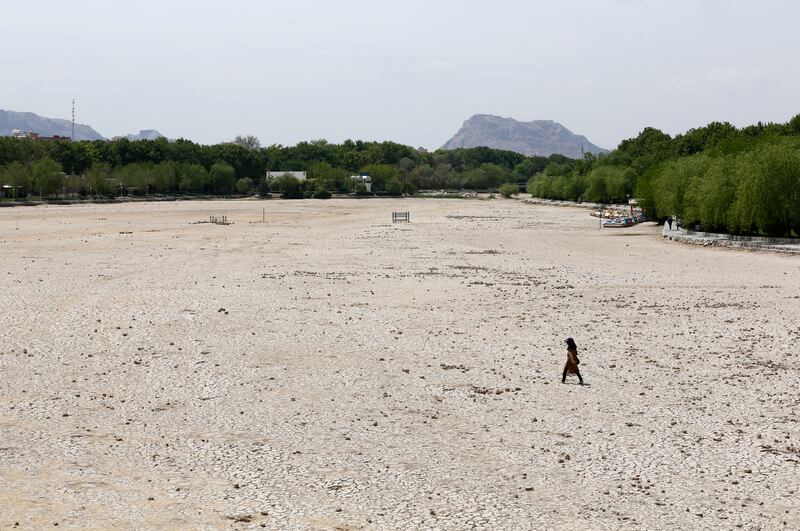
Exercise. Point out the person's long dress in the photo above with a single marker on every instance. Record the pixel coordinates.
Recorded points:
(572, 361)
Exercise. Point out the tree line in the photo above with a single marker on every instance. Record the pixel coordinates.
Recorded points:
(47, 169)
(744, 181)
(737, 180)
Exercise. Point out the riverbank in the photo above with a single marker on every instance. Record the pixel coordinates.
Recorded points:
(121, 200)
(752, 243)
(574, 204)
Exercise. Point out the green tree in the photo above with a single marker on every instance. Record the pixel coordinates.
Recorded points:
(288, 185)
(673, 182)
(98, 178)
(768, 196)
(165, 177)
(244, 185)
(541, 186)
(405, 166)
(596, 191)
(18, 176)
(530, 167)
(223, 177)
(47, 176)
(247, 141)
(193, 178)
(381, 174)
(263, 188)
(508, 189)
(393, 186)
(793, 125)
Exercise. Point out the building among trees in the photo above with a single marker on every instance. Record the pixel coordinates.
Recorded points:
(299, 175)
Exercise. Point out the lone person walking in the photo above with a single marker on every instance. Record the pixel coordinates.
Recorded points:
(571, 366)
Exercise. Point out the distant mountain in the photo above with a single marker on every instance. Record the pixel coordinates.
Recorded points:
(28, 121)
(145, 134)
(539, 137)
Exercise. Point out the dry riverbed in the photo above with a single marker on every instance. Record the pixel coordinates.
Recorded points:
(328, 369)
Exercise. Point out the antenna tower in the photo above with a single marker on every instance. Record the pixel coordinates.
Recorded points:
(73, 120)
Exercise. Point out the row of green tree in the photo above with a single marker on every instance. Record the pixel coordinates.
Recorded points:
(45, 178)
(743, 181)
(181, 166)
(752, 191)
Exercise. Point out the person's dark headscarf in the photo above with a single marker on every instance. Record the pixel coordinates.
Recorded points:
(571, 343)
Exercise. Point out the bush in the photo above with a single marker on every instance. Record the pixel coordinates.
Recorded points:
(394, 186)
(263, 188)
(244, 185)
(509, 189)
(289, 186)
(223, 178)
(361, 189)
(322, 194)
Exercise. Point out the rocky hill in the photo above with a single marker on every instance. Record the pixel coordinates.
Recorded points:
(28, 121)
(145, 134)
(539, 137)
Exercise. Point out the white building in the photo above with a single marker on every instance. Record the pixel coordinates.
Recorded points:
(364, 179)
(299, 175)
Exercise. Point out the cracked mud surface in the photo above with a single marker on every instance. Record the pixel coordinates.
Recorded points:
(331, 370)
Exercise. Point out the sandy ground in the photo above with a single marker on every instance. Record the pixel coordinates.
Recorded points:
(331, 370)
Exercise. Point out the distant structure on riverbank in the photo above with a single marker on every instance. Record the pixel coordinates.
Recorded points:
(299, 175)
(365, 179)
(144, 134)
(32, 135)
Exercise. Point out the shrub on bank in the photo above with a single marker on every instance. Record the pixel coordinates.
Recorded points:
(394, 186)
(509, 189)
(322, 194)
(288, 185)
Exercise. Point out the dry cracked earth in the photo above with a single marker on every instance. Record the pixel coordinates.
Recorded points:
(328, 369)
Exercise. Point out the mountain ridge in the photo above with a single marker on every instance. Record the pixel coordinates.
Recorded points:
(144, 134)
(537, 137)
(44, 126)
(48, 127)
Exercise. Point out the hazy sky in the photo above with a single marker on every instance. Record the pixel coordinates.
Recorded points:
(409, 71)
